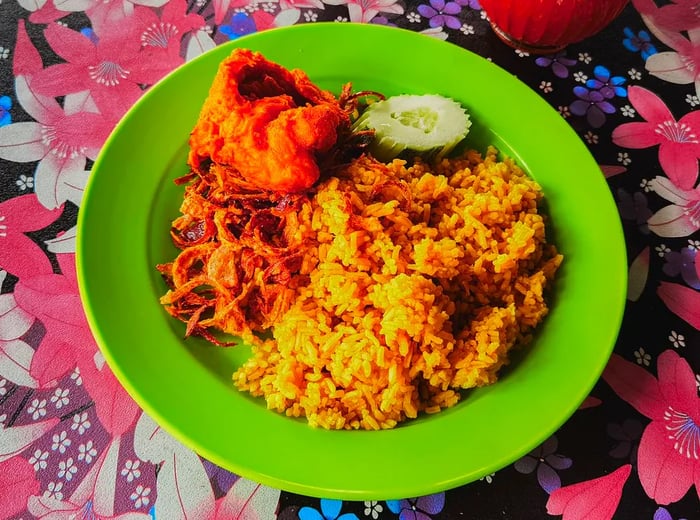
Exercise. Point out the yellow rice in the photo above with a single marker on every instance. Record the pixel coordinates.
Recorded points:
(410, 298)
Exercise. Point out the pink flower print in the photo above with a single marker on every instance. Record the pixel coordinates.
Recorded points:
(679, 141)
(682, 217)
(160, 36)
(54, 300)
(364, 10)
(19, 215)
(680, 15)
(682, 301)
(595, 499)
(680, 66)
(669, 450)
(60, 138)
(93, 498)
(17, 483)
(112, 70)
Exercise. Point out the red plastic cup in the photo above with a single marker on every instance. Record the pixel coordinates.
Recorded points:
(547, 26)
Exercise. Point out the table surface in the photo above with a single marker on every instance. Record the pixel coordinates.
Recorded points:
(67, 435)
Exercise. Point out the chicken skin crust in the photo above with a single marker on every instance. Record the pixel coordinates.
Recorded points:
(267, 124)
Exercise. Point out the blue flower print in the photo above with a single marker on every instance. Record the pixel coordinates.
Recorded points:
(682, 263)
(640, 42)
(441, 13)
(5, 106)
(546, 462)
(330, 509)
(592, 104)
(241, 24)
(606, 85)
(559, 62)
(417, 508)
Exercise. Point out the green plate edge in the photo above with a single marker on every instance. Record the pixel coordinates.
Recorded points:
(184, 385)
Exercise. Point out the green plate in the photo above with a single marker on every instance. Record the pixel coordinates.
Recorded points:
(185, 385)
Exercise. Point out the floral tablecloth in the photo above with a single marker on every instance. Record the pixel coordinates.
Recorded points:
(72, 442)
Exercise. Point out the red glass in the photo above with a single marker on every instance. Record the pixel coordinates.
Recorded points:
(545, 26)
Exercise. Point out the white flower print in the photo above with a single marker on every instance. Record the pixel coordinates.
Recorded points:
(25, 183)
(697, 380)
(413, 17)
(634, 74)
(694, 244)
(676, 339)
(3, 389)
(662, 250)
(67, 469)
(53, 490)
(646, 185)
(373, 508)
(521, 53)
(37, 408)
(692, 100)
(643, 358)
(60, 398)
(341, 19)
(624, 158)
(564, 111)
(310, 16)
(546, 86)
(580, 76)
(467, 29)
(268, 7)
(628, 111)
(201, 3)
(38, 459)
(60, 442)
(4, 53)
(488, 478)
(140, 496)
(87, 452)
(584, 57)
(80, 423)
(75, 376)
(591, 138)
(131, 470)
(483, 15)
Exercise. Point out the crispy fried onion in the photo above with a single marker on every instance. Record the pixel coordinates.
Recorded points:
(240, 260)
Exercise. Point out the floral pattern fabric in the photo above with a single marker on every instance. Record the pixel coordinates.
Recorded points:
(72, 442)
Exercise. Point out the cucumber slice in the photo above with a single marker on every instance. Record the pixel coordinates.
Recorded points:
(429, 125)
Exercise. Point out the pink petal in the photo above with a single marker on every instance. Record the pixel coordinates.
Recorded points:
(66, 261)
(27, 59)
(670, 67)
(32, 260)
(22, 142)
(677, 381)
(664, 473)
(15, 211)
(42, 108)
(636, 386)
(53, 359)
(51, 12)
(70, 45)
(595, 499)
(62, 79)
(115, 101)
(672, 221)
(650, 106)
(17, 483)
(51, 297)
(635, 135)
(680, 163)
(590, 402)
(114, 407)
(683, 301)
